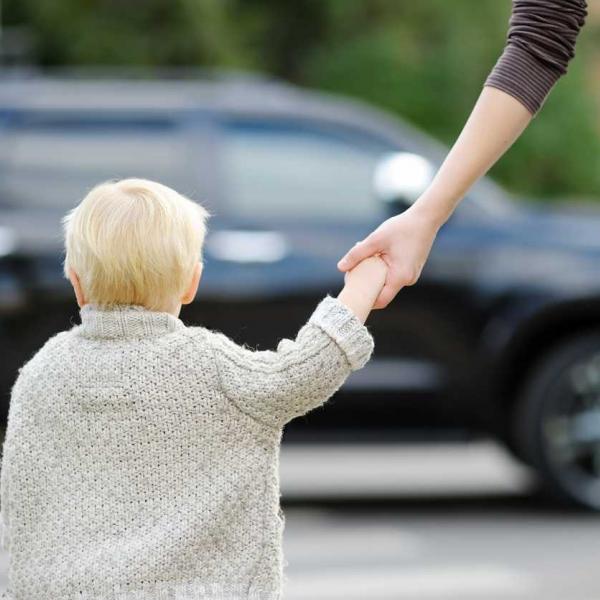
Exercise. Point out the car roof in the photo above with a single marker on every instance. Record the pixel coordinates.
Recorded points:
(234, 94)
(68, 92)
(225, 92)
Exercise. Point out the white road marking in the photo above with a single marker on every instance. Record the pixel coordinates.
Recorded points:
(399, 469)
(427, 583)
(322, 541)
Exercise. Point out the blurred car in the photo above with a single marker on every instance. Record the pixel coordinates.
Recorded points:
(500, 336)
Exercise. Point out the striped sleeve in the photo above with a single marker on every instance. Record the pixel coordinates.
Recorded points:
(540, 44)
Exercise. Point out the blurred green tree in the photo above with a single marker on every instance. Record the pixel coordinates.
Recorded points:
(425, 61)
(142, 33)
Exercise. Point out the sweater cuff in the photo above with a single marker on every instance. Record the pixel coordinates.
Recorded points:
(523, 76)
(344, 327)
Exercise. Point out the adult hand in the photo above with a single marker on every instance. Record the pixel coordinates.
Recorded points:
(403, 242)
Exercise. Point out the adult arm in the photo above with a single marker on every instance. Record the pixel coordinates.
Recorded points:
(540, 44)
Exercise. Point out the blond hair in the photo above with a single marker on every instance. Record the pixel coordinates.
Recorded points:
(134, 241)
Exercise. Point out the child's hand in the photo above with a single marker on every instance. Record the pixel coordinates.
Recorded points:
(369, 274)
(363, 285)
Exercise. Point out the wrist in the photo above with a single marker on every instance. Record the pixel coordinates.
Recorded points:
(358, 301)
(432, 210)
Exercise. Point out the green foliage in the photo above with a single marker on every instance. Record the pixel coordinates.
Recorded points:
(133, 32)
(560, 153)
(425, 61)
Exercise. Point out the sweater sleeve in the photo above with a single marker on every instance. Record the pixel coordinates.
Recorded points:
(274, 386)
(540, 43)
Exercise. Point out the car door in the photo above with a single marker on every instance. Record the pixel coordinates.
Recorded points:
(293, 195)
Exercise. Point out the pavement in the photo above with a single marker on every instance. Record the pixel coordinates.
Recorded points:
(492, 551)
(438, 522)
(427, 522)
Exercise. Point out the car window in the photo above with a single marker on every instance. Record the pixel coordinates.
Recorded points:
(51, 162)
(299, 170)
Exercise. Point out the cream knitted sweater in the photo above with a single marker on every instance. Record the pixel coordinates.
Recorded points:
(141, 455)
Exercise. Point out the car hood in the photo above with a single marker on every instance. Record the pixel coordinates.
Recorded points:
(568, 227)
(552, 251)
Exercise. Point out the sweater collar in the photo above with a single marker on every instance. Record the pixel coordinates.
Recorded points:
(126, 321)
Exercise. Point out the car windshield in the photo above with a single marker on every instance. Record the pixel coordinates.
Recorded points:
(299, 170)
(316, 171)
(270, 169)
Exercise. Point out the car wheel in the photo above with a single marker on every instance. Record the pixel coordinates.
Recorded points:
(557, 421)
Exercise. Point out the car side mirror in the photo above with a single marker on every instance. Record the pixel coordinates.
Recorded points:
(400, 178)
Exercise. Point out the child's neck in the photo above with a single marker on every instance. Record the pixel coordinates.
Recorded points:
(173, 308)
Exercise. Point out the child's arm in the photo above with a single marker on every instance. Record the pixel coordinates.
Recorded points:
(362, 286)
(275, 386)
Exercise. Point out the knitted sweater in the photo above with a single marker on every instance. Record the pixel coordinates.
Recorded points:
(141, 455)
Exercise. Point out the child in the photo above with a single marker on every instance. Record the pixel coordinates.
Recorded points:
(141, 455)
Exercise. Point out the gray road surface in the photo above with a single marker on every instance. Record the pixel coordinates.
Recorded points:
(434, 523)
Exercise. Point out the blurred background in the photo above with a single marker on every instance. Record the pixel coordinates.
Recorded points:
(464, 460)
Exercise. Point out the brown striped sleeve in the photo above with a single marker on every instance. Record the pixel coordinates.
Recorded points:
(540, 43)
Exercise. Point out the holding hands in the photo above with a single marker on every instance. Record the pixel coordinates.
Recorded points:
(403, 242)
(362, 286)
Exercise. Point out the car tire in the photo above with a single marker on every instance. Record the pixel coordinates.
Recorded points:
(548, 434)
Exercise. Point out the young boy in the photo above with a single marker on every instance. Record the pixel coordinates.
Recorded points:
(141, 455)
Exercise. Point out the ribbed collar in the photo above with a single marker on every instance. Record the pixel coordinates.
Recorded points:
(125, 321)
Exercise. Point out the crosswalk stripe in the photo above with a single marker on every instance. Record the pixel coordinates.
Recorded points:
(427, 583)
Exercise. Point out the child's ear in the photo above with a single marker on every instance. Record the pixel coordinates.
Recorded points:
(193, 288)
(74, 279)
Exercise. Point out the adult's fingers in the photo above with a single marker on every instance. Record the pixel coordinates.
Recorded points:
(358, 252)
(387, 294)
(396, 279)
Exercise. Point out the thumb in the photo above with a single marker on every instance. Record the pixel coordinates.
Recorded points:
(387, 294)
(357, 253)
(393, 284)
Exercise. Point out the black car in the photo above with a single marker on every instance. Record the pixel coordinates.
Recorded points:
(500, 336)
